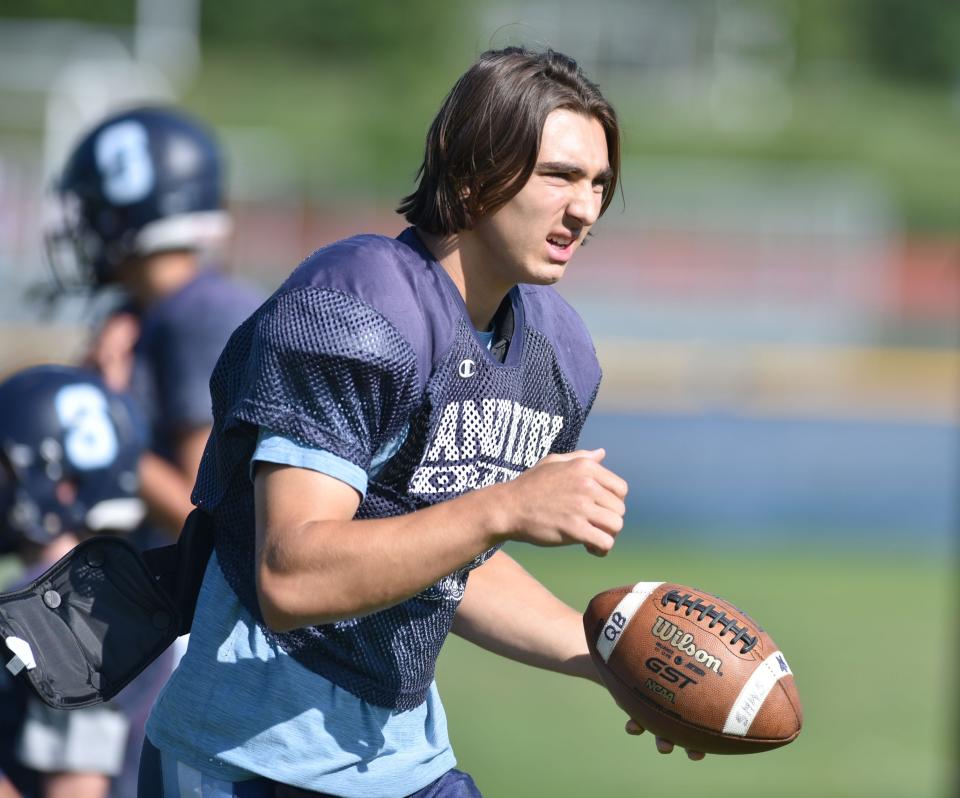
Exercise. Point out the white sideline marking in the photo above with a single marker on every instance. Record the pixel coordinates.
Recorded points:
(754, 693)
(611, 632)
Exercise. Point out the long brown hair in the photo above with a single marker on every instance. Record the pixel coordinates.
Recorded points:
(482, 146)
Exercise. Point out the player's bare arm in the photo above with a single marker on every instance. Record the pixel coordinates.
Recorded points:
(111, 352)
(166, 486)
(316, 565)
(548, 633)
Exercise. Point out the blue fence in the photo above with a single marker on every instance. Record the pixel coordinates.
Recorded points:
(852, 482)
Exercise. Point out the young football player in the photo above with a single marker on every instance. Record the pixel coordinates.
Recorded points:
(143, 200)
(68, 469)
(391, 416)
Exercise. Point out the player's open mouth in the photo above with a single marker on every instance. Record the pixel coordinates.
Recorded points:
(560, 247)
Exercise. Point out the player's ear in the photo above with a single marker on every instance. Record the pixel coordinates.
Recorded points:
(471, 210)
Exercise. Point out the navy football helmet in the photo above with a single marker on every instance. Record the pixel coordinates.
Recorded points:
(68, 456)
(143, 181)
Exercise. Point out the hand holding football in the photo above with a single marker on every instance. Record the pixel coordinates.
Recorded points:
(692, 668)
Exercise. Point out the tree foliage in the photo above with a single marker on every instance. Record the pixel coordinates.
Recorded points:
(917, 40)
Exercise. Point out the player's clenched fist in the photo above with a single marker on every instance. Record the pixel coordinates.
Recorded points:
(566, 499)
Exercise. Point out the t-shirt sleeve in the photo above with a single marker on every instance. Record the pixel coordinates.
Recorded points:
(185, 359)
(272, 448)
(329, 372)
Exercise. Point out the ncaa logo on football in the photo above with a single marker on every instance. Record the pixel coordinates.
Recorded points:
(467, 368)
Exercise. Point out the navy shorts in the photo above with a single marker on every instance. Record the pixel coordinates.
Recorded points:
(161, 778)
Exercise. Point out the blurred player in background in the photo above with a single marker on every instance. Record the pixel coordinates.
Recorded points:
(68, 469)
(143, 202)
(397, 411)
(142, 195)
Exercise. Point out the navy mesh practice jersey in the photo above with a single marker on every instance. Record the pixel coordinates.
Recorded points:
(369, 342)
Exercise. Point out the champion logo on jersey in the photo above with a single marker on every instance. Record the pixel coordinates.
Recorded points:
(467, 368)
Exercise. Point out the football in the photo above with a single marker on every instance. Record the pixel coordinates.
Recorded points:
(692, 668)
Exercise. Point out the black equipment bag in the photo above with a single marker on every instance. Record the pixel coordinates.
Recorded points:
(93, 621)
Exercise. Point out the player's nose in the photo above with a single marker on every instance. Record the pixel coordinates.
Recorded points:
(584, 203)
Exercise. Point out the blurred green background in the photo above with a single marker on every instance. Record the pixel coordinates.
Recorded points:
(351, 87)
(775, 302)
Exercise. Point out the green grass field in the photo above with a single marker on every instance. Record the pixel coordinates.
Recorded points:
(871, 638)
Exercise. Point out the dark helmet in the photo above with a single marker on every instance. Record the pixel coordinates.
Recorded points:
(68, 456)
(143, 181)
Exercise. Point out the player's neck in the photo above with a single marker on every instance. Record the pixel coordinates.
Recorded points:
(481, 294)
(158, 276)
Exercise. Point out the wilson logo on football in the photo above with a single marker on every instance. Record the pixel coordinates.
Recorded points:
(683, 641)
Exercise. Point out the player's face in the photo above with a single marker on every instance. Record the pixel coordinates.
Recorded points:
(532, 237)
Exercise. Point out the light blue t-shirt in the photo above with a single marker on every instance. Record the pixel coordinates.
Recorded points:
(353, 748)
